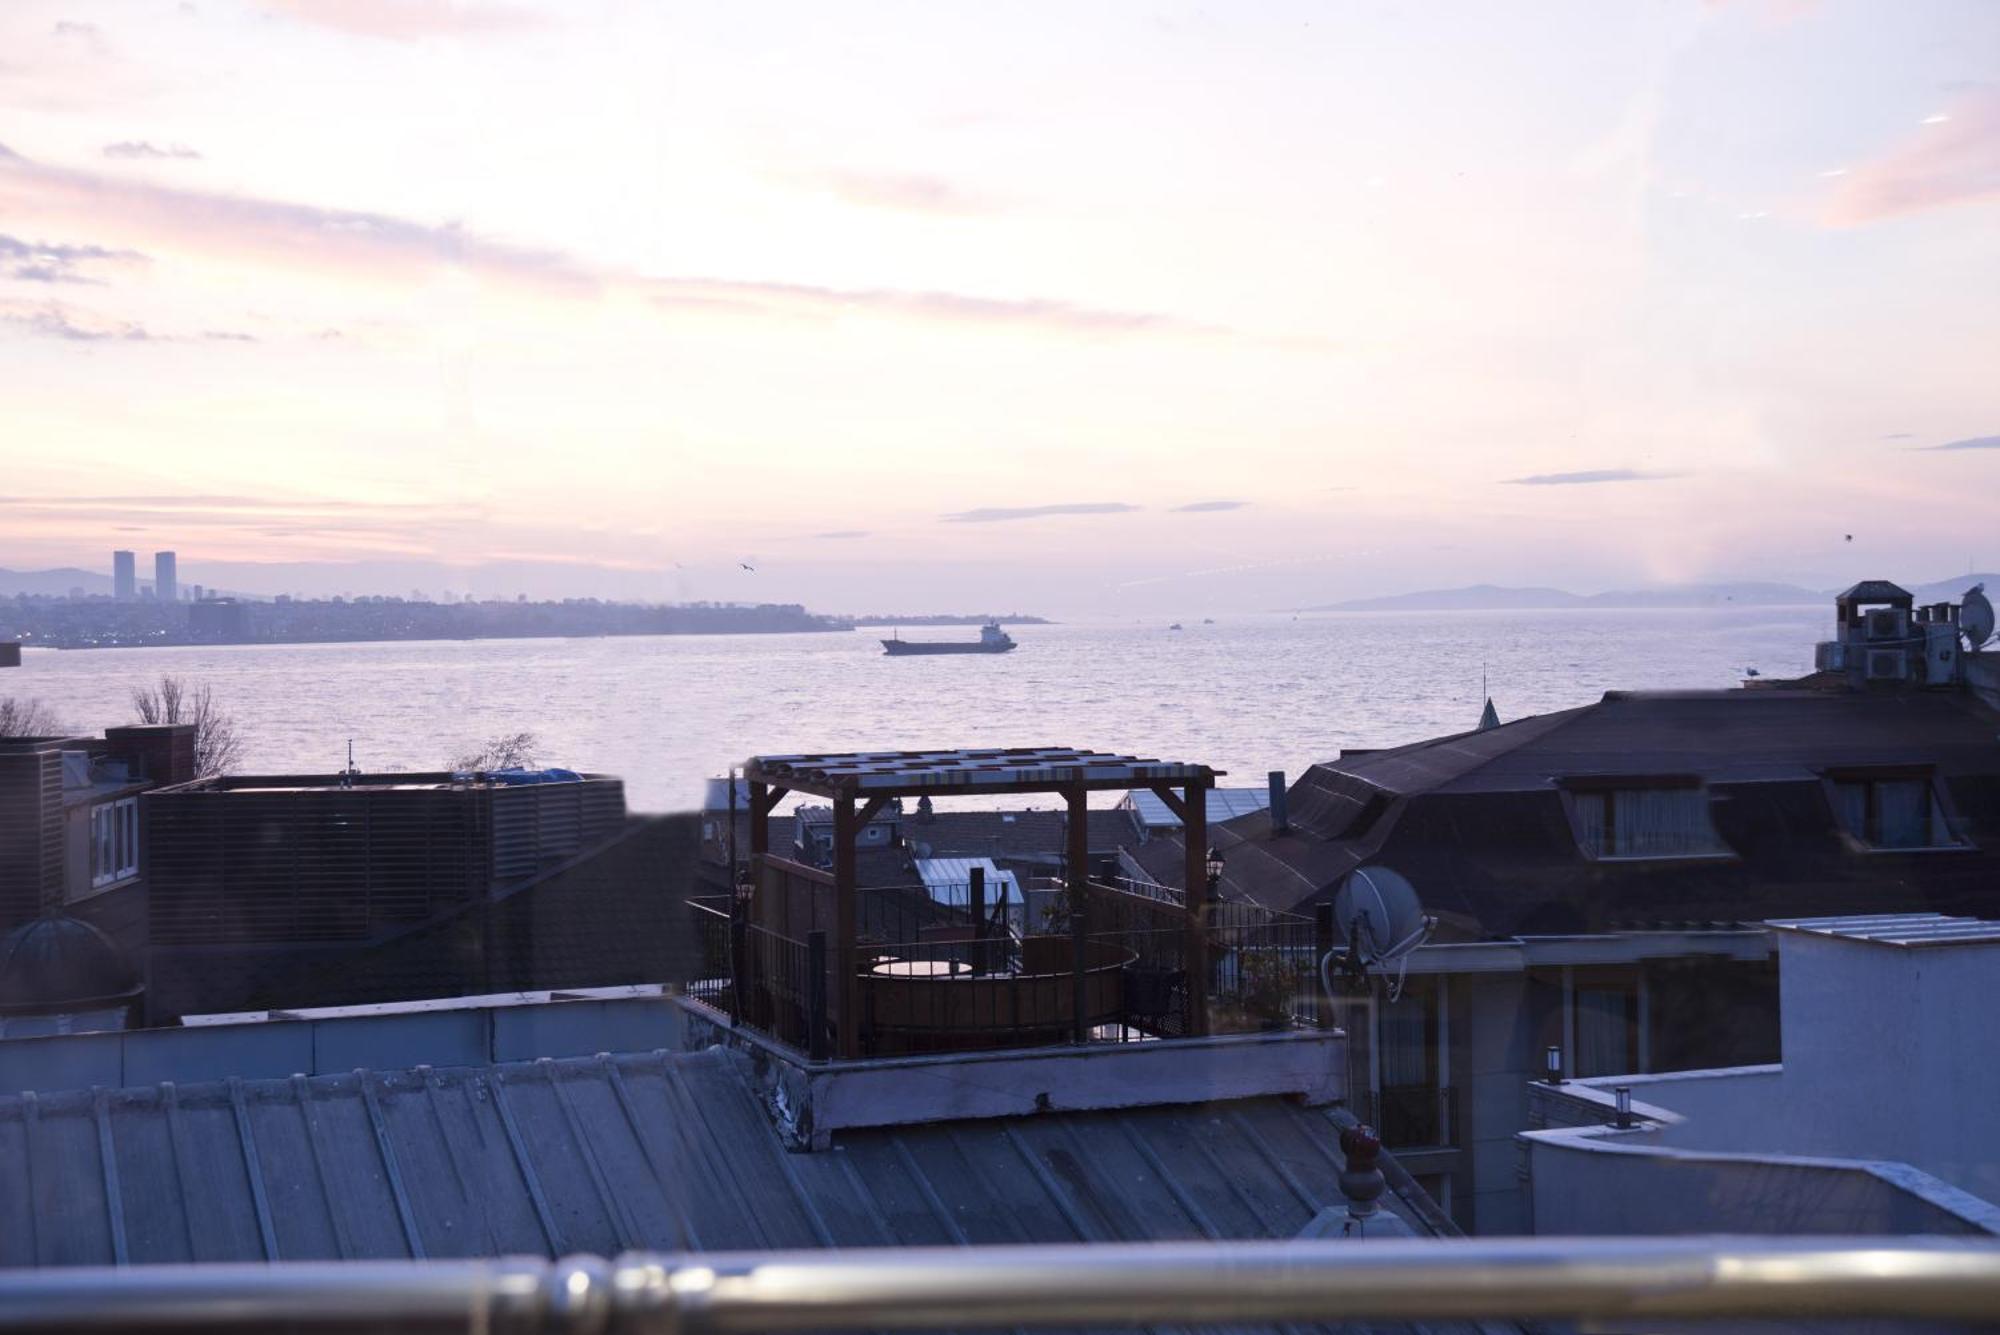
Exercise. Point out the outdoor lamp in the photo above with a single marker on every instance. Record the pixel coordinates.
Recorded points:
(1624, 1097)
(1555, 1065)
(1214, 871)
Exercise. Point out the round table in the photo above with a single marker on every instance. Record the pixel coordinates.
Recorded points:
(920, 969)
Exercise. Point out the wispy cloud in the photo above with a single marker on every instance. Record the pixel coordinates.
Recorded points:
(406, 20)
(803, 300)
(50, 320)
(54, 262)
(1951, 159)
(1586, 476)
(1208, 507)
(140, 148)
(905, 192)
(1901, 435)
(392, 249)
(841, 534)
(996, 513)
(1969, 443)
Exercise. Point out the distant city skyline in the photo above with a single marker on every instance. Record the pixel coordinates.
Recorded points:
(924, 310)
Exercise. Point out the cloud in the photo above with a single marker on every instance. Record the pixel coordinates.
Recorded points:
(69, 28)
(843, 533)
(405, 20)
(808, 300)
(1588, 475)
(392, 249)
(1208, 507)
(905, 192)
(1901, 435)
(140, 148)
(993, 514)
(1950, 160)
(48, 262)
(1969, 443)
(71, 326)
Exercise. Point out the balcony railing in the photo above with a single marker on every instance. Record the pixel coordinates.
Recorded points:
(1174, 1285)
(933, 977)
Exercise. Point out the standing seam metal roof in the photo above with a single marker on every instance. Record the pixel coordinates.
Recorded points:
(604, 1154)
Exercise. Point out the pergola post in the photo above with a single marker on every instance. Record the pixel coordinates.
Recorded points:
(1078, 859)
(1194, 826)
(846, 957)
(760, 826)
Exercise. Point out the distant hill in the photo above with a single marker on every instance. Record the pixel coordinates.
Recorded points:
(1493, 597)
(54, 583)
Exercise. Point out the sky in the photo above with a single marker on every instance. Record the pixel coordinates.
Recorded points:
(1075, 309)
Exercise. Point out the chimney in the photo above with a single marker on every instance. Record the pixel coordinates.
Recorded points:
(1361, 1179)
(163, 753)
(1281, 820)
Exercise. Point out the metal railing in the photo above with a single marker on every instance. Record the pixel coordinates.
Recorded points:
(933, 977)
(988, 1288)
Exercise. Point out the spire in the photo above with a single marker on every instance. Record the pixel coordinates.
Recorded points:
(1488, 717)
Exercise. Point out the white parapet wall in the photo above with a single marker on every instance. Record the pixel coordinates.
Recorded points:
(815, 1099)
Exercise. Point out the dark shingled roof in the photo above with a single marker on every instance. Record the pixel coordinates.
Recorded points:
(1477, 821)
(603, 1155)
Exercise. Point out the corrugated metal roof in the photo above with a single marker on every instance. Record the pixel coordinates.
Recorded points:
(604, 1154)
(1029, 768)
(949, 880)
(1898, 929)
(1223, 804)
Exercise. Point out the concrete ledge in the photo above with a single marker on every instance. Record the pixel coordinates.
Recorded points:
(812, 1101)
(1603, 1180)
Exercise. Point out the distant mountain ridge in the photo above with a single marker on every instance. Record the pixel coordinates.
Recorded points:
(1498, 598)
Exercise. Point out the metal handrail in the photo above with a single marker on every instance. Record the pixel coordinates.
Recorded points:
(998, 1287)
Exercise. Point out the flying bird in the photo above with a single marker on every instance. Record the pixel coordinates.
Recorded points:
(1850, 537)
(747, 566)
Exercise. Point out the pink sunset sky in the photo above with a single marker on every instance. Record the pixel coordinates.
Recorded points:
(1082, 309)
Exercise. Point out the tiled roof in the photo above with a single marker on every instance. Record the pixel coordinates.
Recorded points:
(603, 1155)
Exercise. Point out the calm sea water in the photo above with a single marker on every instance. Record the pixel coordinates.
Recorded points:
(1247, 694)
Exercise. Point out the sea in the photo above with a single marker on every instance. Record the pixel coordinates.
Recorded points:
(1246, 694)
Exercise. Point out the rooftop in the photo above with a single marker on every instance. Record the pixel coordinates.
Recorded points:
(1898, 929)
(1020, 769)
(608, 1154)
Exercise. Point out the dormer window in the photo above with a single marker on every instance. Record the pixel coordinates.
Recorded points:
(1645, 819)
(1892, 811)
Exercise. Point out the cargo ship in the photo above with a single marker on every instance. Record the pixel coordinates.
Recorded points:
(992, 640)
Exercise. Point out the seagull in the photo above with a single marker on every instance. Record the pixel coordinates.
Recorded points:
(1752, 672)
(1850, 537)
(747, 566)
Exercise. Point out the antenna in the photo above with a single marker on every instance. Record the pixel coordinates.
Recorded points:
(1975, 616)
(1384, 921)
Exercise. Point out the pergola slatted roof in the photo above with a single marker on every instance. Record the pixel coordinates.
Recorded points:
(989, 770)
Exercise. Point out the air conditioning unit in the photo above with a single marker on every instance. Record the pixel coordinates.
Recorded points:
(1887, 665)
(1830, 656)
(1887, 623)
(1940, 653)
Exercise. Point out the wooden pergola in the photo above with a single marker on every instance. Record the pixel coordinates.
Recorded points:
(860, 784)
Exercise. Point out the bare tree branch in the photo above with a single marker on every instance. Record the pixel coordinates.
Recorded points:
(20, 717)
(217, 745)
(507, 751)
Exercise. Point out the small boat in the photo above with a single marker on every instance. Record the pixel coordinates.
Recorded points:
(1208, 621)
(992, 640)
(1175, 626)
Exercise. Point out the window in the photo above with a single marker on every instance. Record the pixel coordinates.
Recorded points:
(1893, 812)
(114, 842)
(1646, 822)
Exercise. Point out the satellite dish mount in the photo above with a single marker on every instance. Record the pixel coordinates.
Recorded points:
(1384, 921)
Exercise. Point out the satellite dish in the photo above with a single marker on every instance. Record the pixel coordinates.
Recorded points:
(1384, 921)
(1975, 616)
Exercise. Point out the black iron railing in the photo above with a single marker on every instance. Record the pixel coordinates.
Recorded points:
(1109, 967)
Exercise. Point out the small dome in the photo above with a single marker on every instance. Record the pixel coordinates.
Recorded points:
(54, 962)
